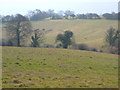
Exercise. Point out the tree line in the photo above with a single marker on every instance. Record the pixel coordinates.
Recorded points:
(20, 32)
(37, 15)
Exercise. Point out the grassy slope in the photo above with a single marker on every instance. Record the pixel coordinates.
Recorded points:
(40, 67)
(91, 32)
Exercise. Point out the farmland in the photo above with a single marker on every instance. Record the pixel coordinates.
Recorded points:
(62, 68)
(58, 68)
(91, 32)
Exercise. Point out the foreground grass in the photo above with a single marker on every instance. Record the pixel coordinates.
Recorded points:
(58, 68)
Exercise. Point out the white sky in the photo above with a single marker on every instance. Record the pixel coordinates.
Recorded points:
(79, 6)
(59, 0)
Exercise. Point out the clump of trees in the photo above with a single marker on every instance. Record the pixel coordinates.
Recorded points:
(88, 16)
(19, 32)
(37, 15)
(68, 14)
(65, 39)
(112, 16)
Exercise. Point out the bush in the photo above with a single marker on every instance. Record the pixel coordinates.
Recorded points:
(94, 49)
(83, 47)
(113, 50)
(59, 46)
(10, 43)
(101, 50)
(49, 46)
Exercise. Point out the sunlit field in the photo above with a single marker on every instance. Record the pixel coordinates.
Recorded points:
(58, 68)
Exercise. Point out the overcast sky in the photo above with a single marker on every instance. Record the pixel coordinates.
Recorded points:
(8, 7)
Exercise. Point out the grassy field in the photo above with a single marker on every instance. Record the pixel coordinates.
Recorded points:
(91, 32)
(58, 68)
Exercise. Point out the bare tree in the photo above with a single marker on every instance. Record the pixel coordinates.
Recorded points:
(111, 36)
(18, 29)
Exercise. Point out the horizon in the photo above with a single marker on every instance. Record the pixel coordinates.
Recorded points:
(78, 6)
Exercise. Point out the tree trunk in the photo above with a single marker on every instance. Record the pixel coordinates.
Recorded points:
(18, 34)
(18, 38)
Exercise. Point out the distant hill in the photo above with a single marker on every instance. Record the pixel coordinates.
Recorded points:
(91, 32)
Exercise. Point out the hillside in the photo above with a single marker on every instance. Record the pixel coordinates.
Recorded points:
(51, 68)
(91, 32)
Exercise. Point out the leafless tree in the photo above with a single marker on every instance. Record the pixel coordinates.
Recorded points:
(38, 37)
(18, 29)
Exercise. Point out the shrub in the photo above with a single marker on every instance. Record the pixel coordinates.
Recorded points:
(49, 46)
(83, 47)
(101, 50)
(113, 50)
(10, 43)
(5, 42)
(94, 49)
(59, 46)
